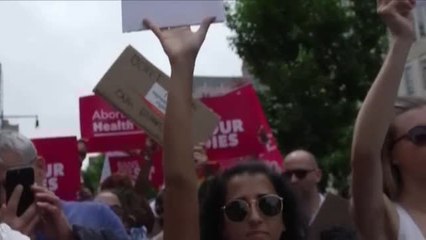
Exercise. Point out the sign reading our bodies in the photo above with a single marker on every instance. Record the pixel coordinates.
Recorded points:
(243, 129)
(53, 172)
(226, 134)
(62, 165)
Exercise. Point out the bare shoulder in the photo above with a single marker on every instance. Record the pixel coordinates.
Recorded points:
(389, 228)
(392, 218)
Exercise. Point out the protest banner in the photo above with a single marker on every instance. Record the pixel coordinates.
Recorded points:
(124, 163)
(62, 165)
(106, 129)
(243, 129)
(127, 165)
(243, 133)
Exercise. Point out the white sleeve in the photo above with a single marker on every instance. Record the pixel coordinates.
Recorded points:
(6, 233)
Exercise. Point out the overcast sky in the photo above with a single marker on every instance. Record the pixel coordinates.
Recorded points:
(54, 52)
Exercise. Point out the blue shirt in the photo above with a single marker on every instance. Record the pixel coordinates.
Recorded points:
(95, 216)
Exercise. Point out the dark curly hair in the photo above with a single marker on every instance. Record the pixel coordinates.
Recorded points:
(212, 218)
(137, 211)
(117, 180)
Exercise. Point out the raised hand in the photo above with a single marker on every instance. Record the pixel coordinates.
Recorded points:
(26, 222)
(181, 43)
(398, 17)
(53, 222)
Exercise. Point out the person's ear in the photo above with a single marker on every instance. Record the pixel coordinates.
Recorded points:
(40, 170)
(318, 175)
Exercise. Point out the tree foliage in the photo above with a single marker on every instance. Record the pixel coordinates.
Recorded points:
(92, 174)
(317, 59)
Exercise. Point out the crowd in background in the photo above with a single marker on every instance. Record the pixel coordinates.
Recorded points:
(250, 200)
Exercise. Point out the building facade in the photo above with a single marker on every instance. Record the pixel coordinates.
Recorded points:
(414, 78)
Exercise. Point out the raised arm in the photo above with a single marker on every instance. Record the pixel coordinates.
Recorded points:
(143, 186)
(372, 211)
(181, 220)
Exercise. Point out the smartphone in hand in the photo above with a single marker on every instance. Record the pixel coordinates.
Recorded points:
(24, 177)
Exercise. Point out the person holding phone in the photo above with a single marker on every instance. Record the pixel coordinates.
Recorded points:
(8, 214)
(30, 208)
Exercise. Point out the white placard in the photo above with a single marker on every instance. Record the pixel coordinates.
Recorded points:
(157, 97)
(169, 13)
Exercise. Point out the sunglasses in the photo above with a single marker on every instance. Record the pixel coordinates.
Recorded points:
(299, 173)
(416, 135)
(237, 210)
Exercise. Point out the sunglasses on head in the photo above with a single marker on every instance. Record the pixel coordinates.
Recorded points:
(269, 205)
(416, 135)
(299, 173)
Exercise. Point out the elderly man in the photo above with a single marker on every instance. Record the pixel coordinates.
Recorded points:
(301, 170)
(49, 217)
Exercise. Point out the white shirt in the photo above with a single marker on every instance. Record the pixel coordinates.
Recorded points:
(322, 198)
(6, 233)
(408, 229)
(158, 236)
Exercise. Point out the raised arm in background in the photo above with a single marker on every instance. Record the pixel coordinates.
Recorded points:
(374, 214)
(181, 218)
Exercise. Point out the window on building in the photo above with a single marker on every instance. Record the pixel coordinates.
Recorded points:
(409, 81)
(423, 71)
(420, 18)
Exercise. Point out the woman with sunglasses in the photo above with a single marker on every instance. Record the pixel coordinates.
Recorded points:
(253, 198)
(250, 201)
(388, 152)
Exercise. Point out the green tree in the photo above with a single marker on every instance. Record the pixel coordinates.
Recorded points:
(92, 174)
(317, 59)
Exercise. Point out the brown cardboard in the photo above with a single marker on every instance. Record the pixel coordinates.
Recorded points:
(333, 212)
(125, 86)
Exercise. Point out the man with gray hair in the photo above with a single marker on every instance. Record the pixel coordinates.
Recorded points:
(303, 173)
(49, 217)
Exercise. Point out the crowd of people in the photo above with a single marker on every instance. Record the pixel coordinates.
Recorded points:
(250, 200)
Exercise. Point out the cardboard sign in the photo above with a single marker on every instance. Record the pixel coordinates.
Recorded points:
(169, 13)
(139, 90)
(62, 165)
(243, 130)
(334, 212)
(107, 129)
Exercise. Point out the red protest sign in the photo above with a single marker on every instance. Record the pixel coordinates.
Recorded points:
(107, 129)
(128, 165)
(62, 165)
(243, 129)
(243, 133)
